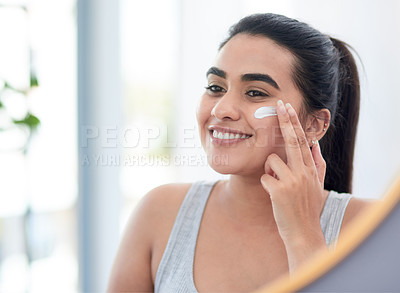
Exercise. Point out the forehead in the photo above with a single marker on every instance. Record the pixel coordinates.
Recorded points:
(255, 54)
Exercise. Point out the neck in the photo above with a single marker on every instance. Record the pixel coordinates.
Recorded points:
(244, 199)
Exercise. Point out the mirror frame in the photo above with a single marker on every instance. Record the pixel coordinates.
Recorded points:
(356, 232)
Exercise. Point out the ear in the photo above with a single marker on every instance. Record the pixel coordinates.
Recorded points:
(317, 125)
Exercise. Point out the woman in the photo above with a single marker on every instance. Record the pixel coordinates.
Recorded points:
(279, 204)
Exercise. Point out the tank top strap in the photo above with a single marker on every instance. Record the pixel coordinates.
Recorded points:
(175, 272)
(332, 216)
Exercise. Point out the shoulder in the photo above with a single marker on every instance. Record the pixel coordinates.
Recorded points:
(151, 221)
(161, 205)
(157, 211)
(164, 199)
(355, 207)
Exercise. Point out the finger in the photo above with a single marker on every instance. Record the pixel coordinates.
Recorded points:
(301, 137)
(269, 183)
(293, 152)
(320, 163)
(275, 164)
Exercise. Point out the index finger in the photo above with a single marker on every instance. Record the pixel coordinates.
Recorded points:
(292, 147)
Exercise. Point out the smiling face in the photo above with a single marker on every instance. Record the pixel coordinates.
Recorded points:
(249, 72)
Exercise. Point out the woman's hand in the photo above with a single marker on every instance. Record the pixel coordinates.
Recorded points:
(296, 189)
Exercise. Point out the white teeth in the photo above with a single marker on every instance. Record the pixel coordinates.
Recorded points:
(226, 135)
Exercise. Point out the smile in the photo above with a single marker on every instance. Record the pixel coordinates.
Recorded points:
(227, 135)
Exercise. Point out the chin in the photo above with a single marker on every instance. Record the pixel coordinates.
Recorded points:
(220, 163)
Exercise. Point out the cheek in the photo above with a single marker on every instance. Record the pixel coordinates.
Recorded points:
(278, 138)
(204, 107)
(268, 134)
(270, 140)
(203, 113)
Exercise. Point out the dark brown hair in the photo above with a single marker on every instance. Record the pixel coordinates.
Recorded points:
(326, 74)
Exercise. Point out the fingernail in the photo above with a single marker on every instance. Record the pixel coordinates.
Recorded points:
(281, 107)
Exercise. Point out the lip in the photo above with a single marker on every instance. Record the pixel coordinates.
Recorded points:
(227, 130)
(231, 141)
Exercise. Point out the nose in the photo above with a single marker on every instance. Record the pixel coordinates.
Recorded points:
(226, 108)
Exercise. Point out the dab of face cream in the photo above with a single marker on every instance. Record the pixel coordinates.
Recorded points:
(263, 112)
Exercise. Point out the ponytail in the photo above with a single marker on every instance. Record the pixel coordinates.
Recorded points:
(338, 144)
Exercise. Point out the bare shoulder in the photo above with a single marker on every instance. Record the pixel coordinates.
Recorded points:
(355, 206)
(150, 223)
(161, 205)
(156, 209)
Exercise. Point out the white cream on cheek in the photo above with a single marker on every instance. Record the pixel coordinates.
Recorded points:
(263, 112)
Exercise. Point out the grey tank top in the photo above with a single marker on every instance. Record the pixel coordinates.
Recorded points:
(175, 272)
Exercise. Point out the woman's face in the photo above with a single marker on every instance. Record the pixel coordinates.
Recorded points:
(249, 72)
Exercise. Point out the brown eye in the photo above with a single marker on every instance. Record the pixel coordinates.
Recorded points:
(254, 93)
(215, 89)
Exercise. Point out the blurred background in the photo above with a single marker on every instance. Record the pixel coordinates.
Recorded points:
(97, 107)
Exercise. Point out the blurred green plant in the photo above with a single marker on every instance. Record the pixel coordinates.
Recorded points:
(7, 122)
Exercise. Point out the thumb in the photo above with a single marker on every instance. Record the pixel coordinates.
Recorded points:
(320, 163)
(267, 169)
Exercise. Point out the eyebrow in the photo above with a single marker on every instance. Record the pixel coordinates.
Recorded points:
(216, 71)
(246, 77)
(260, 77)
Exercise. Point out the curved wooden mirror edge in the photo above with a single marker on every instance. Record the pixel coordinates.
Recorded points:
(353, 236)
